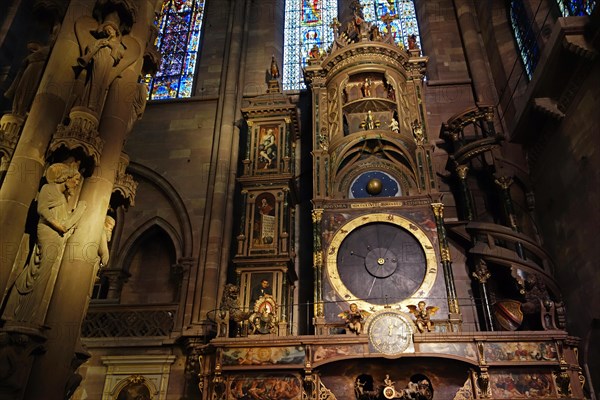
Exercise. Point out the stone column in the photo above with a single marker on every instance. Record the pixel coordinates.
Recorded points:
(453, 308)
(26, 168)
(53, 371)
(474, 52)
(216, 233)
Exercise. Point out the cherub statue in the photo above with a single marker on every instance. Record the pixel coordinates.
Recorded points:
(354, 318)
(423, 316)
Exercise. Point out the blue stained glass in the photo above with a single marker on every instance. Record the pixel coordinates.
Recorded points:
(524, 36)
(405, 23)
(306, 24)
(576, 7)
(179, 24)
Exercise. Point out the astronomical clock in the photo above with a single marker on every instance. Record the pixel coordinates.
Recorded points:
(375, 196)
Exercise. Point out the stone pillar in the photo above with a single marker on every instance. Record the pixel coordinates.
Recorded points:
(53, 371)
(474, 52)
(453, 308)
(216, 234)
(27, 165)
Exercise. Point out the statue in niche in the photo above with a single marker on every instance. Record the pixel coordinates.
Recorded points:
(423, 316)
(98, 60)
(366, 87)
(57, 221)
(23, 88)
(354, 319)
(369, 123)
(394, 126)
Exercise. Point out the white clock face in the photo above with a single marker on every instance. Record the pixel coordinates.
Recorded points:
(390, 333)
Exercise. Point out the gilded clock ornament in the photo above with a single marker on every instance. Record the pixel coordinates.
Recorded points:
(390, 332)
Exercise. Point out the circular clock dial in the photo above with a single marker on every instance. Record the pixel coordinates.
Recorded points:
(381, 259)
(390, 333)
(381, 263)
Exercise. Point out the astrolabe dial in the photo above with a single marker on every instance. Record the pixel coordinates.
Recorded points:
(379, 260)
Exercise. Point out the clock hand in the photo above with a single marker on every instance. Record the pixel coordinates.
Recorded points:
(352, 253)
(387, 248)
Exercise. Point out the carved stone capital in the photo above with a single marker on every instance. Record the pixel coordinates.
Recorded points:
(80, 134)
(125, 186)
(10, 126)
(122, 12)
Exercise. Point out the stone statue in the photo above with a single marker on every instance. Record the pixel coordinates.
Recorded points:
(423, 316)
(56, 223)
(274, 70)
(103, 253)
(99, 58)
(23, 88)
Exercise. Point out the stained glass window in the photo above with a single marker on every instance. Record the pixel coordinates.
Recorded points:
(576, 7)
(306, 24)
(525, 37)
(179, 27)
(405, 19)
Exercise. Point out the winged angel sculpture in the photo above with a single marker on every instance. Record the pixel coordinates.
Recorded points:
(423, 316)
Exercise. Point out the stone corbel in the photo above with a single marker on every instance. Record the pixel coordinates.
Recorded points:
(125, 186)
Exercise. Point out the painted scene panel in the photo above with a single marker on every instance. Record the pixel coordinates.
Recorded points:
(511, 384)
(520, 351)
(264, 356)
(282, 387)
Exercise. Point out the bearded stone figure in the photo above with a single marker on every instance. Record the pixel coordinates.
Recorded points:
(34, 284)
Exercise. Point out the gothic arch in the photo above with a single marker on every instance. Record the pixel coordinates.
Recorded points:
(166, 189)
(130, 245)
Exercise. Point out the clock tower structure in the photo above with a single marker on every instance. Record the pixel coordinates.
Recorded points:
(378, 235)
